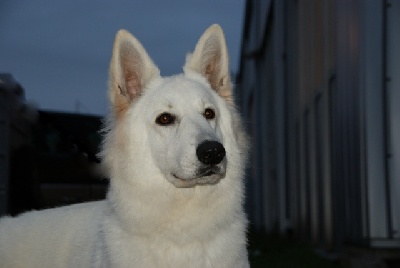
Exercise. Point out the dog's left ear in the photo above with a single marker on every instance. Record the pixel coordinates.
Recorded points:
(210, 59)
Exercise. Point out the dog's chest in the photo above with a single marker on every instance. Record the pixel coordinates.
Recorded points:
(162, 252)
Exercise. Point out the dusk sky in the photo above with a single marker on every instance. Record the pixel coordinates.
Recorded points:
(60, 50)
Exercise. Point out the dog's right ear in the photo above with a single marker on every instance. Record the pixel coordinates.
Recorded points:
(131, 69)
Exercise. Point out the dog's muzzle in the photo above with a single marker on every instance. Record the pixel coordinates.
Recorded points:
(210, 154)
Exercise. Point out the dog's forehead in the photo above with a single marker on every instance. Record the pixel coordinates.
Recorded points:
(179, 89)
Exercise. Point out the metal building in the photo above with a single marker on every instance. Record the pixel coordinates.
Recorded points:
(319, 86)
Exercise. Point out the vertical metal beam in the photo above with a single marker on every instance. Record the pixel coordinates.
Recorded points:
(371, 82)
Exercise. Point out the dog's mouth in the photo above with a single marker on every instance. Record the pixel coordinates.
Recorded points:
(205, 176)
(209, 171)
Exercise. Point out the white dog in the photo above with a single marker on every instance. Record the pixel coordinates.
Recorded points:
(175, 152)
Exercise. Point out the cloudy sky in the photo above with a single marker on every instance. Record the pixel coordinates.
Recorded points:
(59, 50)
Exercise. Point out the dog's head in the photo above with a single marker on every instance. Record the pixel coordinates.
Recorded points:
(178, 125)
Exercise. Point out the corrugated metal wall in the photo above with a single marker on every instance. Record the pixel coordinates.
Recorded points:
(315, 98)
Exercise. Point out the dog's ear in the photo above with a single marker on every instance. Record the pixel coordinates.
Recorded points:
(210, 59)
(131, 69)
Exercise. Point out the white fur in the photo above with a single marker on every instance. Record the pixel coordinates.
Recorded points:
(159, 211)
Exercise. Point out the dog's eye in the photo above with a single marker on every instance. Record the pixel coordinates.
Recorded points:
(209, 114)
(165, 119)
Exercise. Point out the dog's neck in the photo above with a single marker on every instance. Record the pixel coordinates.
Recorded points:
(171, 209)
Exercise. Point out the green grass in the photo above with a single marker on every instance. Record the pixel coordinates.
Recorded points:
(277, 252)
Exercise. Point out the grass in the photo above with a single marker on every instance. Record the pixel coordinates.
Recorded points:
(278, 252)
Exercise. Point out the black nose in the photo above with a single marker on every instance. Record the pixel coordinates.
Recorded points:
(210, 152)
